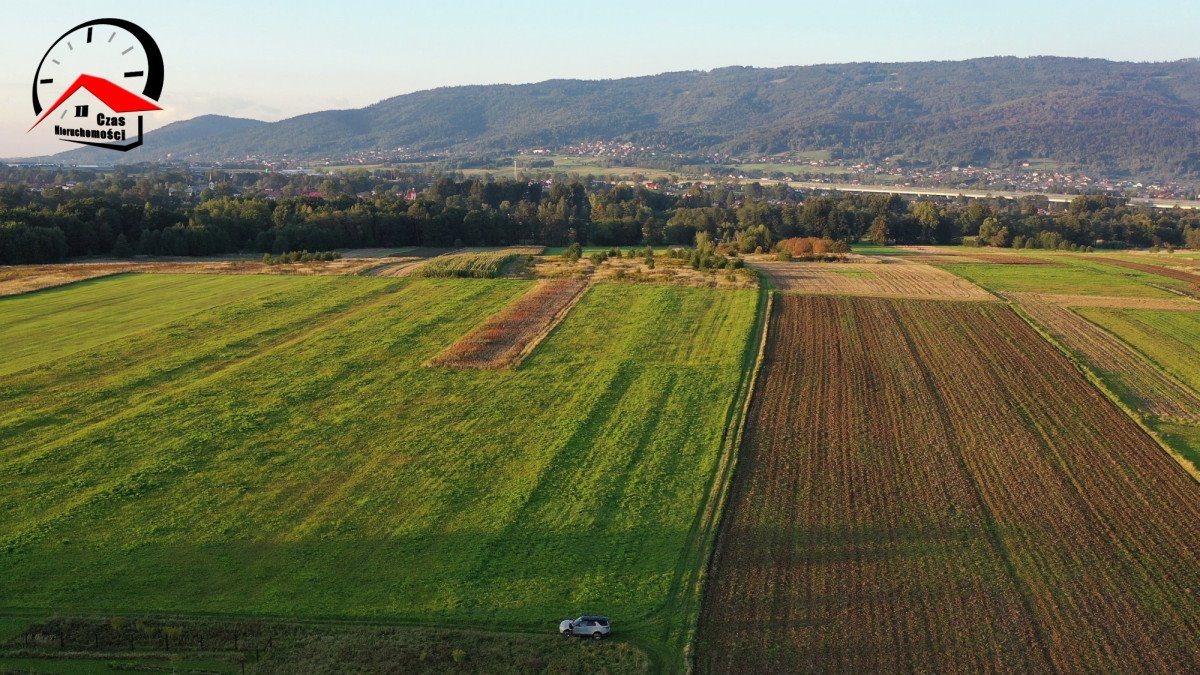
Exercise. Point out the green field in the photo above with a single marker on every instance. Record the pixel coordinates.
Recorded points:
(283, 452)
(130, 666)
(1171, 342)
(43, 326)
(1169, 339)
(1075, 276)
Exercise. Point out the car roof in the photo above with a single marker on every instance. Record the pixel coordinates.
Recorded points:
(589, 617)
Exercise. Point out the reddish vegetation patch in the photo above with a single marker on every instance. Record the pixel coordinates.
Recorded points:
(931, 486)
(511, 334)
(802, 246)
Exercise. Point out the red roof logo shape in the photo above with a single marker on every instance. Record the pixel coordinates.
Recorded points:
(119, 100)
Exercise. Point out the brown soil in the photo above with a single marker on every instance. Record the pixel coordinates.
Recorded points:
(931, 486)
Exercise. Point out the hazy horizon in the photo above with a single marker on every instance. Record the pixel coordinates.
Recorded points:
(245, 61)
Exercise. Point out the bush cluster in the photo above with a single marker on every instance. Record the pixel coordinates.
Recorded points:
(300, 256)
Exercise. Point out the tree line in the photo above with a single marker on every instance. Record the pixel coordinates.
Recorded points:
(156, 214)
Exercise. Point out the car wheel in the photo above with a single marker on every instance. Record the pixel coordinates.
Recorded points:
(597, 636)
(567, 633)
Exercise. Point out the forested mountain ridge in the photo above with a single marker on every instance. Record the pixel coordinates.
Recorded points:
(1109, 117)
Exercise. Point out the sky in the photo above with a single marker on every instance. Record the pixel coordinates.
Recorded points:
(273, 59)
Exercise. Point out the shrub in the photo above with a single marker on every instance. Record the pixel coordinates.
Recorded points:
(300, 256)
(809, 247)
(574, 252)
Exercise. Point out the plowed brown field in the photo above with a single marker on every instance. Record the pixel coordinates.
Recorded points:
(512, 333)
(930, 486)
(892, 279)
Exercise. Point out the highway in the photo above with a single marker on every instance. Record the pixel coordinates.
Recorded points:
(977, 194)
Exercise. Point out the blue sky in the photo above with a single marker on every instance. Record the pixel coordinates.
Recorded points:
(271, 60)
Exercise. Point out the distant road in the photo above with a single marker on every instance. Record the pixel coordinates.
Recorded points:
(950, 192)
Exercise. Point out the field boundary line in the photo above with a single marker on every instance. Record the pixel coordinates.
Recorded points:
(1191, 469)
(712, 517)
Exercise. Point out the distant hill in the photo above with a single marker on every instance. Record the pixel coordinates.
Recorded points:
(1105, 116)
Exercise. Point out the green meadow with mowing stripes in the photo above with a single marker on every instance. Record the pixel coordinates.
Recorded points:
(45, 325)
(273, 446)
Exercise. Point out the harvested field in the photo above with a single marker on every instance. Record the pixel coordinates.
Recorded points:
(1112, 302)
(892, 279)
(404, 264)
(17, 279)
(932, 487)
(1150, 388)
(505, 339)
(317, 268)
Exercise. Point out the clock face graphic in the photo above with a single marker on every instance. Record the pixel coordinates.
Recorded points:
(114, 60)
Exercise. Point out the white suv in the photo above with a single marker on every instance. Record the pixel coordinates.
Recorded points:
(595, 627)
